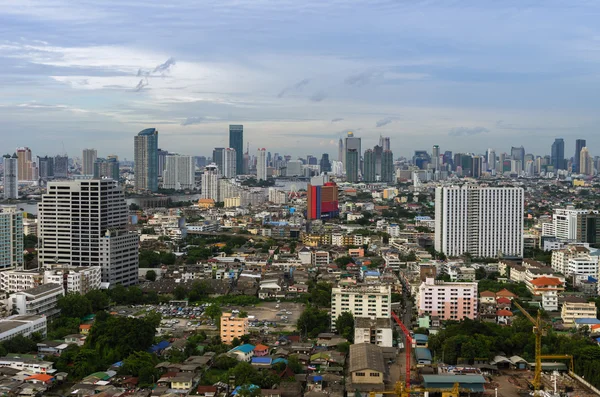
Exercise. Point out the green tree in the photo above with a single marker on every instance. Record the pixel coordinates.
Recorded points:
(179, 293)
(98, 299)
(151, 275)
(141, 364)
(294, 364)
(313, 321)
(320, 293)
(214, 312)
(244, 373)
(345, 325)
(74, 305)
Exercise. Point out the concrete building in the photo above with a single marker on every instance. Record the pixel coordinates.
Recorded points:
(366, 364)
(61, 167)
(27, 365)
(449, 301)
(89, 158)
(572, 311)
(42, 300)
(229, 160)
(20, 280)
(11, 177)
(79, 280)
(107, 168)
(210, 183)
(365, 301)
(236, 142)
(377, 331)
(11, 237)
(233, 327)
(84, 223)
(179, 172)
(577, 225)
(25, 166)
(146, 160)
(482, 221)
(261, 164)
(22, 325)
(561, 257)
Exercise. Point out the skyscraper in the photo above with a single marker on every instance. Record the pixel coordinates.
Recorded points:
(89, 158)
(261, 164)
(61, 167)
(586, 163)
(321, 198)
(46, 168)
(325, 164)
(25, 165)
(435, 157)
(11, 237)
(388, 173)
(217, 158)
(369, 174)
(518, 153)
(579, 144)
(341, 151)
(491, 159)
(179, 173)
(162, 160)
(384, 142)
(236, 141)
(210, 183)
(476, 167)
(11, 177)
(106, 168)
(84, 223)
(482, 221)
(352, 162)
(353, 148)
(558, 154)
(146, 160)
(229, 163)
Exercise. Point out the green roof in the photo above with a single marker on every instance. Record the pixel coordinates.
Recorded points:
(473, 382)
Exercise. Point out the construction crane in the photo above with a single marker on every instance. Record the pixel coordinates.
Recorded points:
(407, 347)
(401, 391)
(539, 330)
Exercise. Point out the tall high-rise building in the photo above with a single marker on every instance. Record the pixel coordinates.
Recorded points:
(218, 158)
(229, 163)
(61, 167)
(352, 143)
(321, 198)
(201, 161)
(84, 223)
(384, 142)
(210, 183)
(11, 237)
(369, 174)
(518, 153)
(236, 141)
(162, 161)
(261, 164)
(491, 159)
(388, 173)
(448, 160)
(558, 154)
(89, 158)
(482, 221)
(586, 163)
(578, 225)
(106, 168)
(11, 177)
(476, 167)
(352, 165)
(46, 168)
(325, 164)
(146, 160)
(435, 157)
(341, 151)
(579, 144)
(25, 164)
(179, 173)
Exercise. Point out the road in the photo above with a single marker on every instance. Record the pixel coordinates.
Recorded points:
(398, 369)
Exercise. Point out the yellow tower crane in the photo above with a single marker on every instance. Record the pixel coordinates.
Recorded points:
(401, 391)
(539, 330)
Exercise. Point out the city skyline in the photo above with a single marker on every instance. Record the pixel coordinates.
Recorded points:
(301, 83)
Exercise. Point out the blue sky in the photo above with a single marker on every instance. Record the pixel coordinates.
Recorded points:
(466, 75)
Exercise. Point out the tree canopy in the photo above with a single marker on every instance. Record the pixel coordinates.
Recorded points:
(313, 321)
(344, 324)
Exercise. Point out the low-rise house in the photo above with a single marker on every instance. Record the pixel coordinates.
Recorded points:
(366, 364)
(262, 362)
(261, 350)
(487, 298)
(574, 309)
(28, 365)
(243, 352)
(75, 339)
(504, 317)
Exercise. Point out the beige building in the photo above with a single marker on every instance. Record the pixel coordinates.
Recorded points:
(233, 327)
(574, 310)
(366, 364)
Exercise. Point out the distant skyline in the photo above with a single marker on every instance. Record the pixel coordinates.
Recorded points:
(465, 75)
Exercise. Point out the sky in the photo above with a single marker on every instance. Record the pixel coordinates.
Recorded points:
(299, 74)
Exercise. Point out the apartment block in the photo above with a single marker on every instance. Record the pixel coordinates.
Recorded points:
(42, 300)
(11, 237)
(22, 325)
(376, 331)
(571, 311)
(579, 225)
(448, 300)
(560, 258)
(233, 327)
(482, 221)
(362, 301)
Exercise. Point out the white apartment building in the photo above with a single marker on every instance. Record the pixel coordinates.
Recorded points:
(89, 158)
(210, 183)
(11, 237)
(579, 225)
(392, 261)
(30, 227)
(42, 300)
(375, 331)
(84, 223)
(583, 266)
(320, 258)
(11, 177)
(394, 230)
(22, 325)
(571, 311)
(261, 164)
(449, 301)
(179, 172)
(20, 280)
(550, 301)
(27, 365)
(277, 196)
(229, 163)
(362, 301)
(75, 280)
(560, 258)
(483, 221)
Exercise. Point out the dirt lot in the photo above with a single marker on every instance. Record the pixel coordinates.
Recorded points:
(273, 312)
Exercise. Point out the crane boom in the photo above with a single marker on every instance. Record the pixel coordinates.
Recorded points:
(526, 314)
(538, 331)
(407, 347)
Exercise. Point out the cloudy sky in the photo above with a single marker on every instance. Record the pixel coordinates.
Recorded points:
(464, 74)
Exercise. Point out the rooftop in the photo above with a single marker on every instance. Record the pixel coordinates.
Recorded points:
(147, 132)
(43, 289)
(366, 356)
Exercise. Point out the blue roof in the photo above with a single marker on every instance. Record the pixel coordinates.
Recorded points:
(466, 381)
(279, 360)
(421, 338)
(250, 387)
(587, 321)
(372, 273)
(422, 353)
(159, 346)
(147, 131)
(261, 360)
(247, 348)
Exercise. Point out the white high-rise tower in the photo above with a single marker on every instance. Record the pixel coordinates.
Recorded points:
(89, 158)
(179, 172)
(11, 177)
(261, 164)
